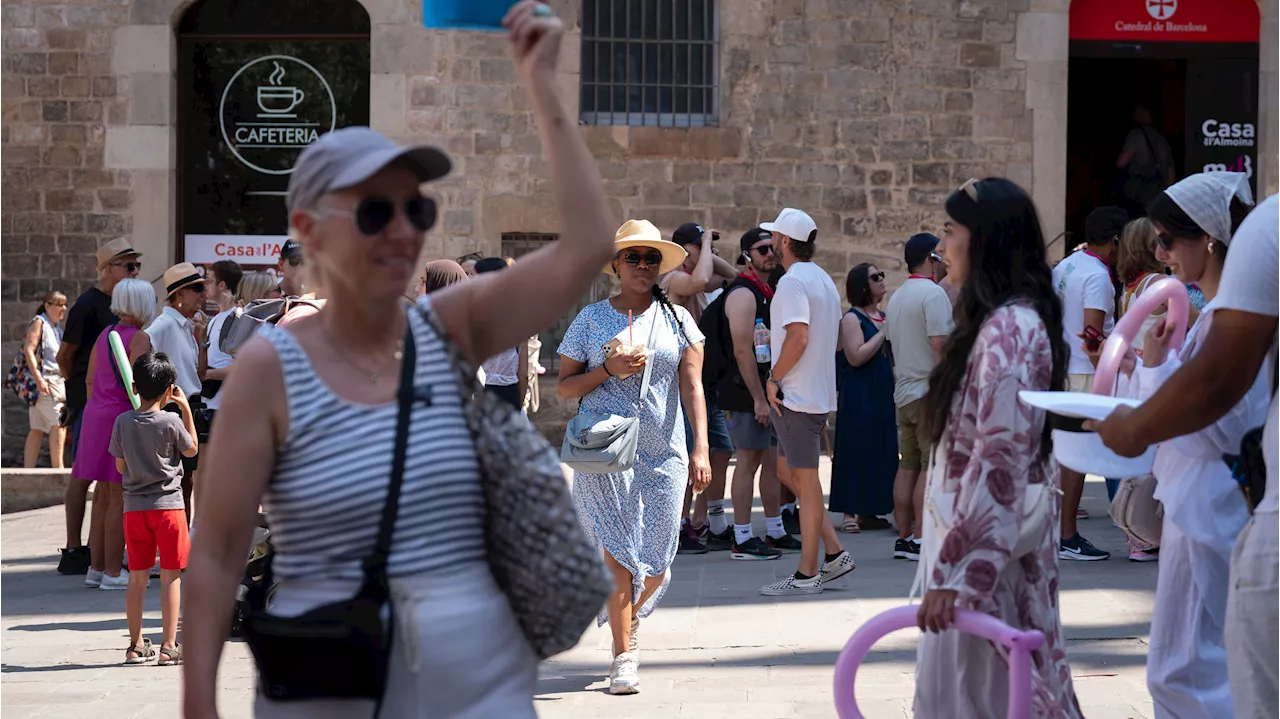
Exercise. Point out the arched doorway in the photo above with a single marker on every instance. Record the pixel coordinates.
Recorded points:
(1191, 65)
(257, 81)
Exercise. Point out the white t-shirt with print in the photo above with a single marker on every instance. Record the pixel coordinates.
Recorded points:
(1249, 284)
(807, 294)
(1083, 282)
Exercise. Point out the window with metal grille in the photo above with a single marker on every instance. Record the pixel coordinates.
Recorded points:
(517, 244)
(649, 62)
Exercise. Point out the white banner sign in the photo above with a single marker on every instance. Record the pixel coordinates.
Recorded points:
(257, 250)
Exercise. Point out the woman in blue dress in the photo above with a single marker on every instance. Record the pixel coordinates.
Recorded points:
(635, 515)
(866, 456)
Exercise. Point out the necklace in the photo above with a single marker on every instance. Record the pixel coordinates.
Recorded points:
(375, 375)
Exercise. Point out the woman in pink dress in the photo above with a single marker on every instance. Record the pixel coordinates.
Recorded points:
(134, 302)
(992, 452)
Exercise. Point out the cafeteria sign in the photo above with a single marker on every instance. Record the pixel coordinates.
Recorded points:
(272, 108)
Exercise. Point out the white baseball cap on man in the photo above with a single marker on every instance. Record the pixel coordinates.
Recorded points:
(796, 224)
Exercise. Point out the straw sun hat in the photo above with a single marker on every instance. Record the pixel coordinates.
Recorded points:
(183, 274)
(642, 233)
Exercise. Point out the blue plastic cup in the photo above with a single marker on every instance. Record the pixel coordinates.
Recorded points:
(465, 14)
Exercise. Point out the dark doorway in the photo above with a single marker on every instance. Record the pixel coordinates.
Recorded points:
(1102, 94)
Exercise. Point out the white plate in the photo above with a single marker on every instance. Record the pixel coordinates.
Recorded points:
(1081, 405)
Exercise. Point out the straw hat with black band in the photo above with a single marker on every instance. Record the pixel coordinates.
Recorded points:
(643, 233)
(117, 249)
(183, 274)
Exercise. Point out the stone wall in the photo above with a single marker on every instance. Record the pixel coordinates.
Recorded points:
(59, 200)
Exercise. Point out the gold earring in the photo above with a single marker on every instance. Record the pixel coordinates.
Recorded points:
(1211, 247)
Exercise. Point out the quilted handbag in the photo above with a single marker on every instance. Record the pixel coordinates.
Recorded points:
(557, 585)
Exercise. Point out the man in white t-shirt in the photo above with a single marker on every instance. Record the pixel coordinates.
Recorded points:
(224, 281)
(804, 319)
(1083, 284)
(918, 320)
(1241, 338)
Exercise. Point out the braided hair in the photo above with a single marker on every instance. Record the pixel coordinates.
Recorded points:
(663, 300)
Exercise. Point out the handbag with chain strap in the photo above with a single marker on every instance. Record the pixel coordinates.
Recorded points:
(555, 589)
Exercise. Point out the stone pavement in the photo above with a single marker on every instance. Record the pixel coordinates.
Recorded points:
(715, 647)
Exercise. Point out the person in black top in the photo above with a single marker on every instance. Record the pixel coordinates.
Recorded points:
(742, 394)
(88, 317)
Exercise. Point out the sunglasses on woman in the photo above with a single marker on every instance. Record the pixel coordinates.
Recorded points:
(652, 258)
(1165, 242)
(877, 277)
(373, 214)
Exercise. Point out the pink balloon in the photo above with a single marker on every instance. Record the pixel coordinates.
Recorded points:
(1019, 643)
(1167, 290)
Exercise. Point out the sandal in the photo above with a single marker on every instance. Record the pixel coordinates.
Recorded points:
(850, 525)
(140, 653)
(170, 656)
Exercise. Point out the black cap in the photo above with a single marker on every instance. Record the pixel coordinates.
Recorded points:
(749, 239)
(690, 233)
(290, 248)
(918, 249)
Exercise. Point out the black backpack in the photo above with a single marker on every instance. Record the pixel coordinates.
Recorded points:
(721, 379)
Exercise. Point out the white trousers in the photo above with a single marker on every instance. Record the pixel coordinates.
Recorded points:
(1187, 657)
(458, 652)
(1253, 651)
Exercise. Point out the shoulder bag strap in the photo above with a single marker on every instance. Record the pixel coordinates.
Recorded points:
(375, 565)
(648, 366)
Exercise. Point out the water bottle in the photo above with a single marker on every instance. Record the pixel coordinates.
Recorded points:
(761, 342)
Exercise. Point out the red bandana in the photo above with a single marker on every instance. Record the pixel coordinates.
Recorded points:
(765, 289)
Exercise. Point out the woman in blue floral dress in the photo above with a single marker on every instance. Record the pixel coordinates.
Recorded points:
(635, 515)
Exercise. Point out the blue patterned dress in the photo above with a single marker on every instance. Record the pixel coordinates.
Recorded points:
(635, 515)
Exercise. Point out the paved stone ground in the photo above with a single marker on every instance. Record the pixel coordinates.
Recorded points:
(715, 648)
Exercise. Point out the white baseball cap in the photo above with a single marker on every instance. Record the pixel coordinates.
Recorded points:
(796, 224)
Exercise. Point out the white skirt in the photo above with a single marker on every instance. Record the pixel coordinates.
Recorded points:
(458, 652)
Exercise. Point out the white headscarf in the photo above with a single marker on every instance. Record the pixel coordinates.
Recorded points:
(1206, 198)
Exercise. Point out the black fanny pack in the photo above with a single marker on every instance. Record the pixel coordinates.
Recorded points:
(337, 650)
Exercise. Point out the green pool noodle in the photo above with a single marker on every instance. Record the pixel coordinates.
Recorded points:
(126, 369)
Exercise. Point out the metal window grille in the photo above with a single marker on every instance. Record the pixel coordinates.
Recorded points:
(650, 62)
(517, 244)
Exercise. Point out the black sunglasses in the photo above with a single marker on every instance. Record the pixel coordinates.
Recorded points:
(129, 266)
(652, 258)
(764, 250)
(1165, 242)
(294, 260)
(373, 214)
(876, 277)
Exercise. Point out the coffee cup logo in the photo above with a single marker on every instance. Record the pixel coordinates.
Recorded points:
(272, 108)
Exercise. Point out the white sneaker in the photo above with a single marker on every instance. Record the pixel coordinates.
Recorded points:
(837, 567)
(624, 675)
(115, 584)
(792, 586)
(93, 578)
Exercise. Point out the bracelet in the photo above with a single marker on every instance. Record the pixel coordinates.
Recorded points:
(605, 367)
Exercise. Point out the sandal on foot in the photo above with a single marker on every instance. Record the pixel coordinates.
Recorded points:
(850, 526)
(140, 653)
(170, 656)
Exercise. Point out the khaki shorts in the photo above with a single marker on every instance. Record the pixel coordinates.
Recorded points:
(43, 415)
(913, 442)
(1079, 383)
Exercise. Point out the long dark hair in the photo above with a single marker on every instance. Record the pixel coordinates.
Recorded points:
(857, 285)
(1178, 224)
(1006, 262)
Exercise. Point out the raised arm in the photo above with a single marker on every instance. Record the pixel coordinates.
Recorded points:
(480, 314)
(253, 419)
(682, 286)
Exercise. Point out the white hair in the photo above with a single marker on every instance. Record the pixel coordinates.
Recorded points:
(134, 298)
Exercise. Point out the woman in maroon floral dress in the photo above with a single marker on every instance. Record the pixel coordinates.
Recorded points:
(990, 452)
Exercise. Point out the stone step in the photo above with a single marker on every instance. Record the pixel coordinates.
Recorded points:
(24, 489)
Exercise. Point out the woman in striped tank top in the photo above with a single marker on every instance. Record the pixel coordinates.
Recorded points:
(310, 411)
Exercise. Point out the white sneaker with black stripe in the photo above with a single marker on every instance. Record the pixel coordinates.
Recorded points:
(837, 567)
(791, 586)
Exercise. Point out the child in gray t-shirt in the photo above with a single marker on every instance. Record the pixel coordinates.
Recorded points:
(149, 444)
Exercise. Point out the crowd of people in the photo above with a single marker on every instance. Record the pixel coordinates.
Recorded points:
(719, 354)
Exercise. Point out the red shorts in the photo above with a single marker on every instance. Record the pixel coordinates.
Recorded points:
(165, 529)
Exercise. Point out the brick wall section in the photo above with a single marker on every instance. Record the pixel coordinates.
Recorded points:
(59, 204)
(865, 113)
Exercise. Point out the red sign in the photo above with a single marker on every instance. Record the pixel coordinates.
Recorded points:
(1165, 20)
